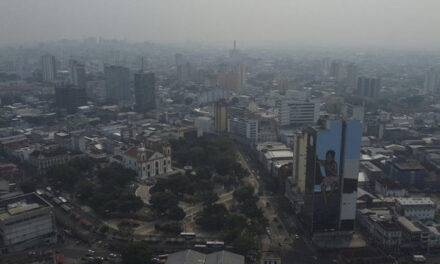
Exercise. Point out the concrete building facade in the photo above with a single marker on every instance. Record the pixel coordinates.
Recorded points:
(26, 221)
(298, 112)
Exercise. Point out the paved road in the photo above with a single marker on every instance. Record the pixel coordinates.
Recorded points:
(252, 180)
(292, 250)
(143, 192)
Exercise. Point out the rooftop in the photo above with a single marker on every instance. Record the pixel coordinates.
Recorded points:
(279, 154)
(370, 166)
(415, 201)
(407, 224)
(389, 225)
(408, 165)
(389, 183)
(50, 152)
(21, 204)
(193, 257)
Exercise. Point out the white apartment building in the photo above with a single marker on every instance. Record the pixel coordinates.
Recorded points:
(48, 68)
(293, 112)
(243, 128)
(416, 207)
(355, 112)
(26, 221)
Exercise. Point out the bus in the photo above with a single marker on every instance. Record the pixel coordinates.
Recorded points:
(66, 208)
(56, 200)
(62, 199)
(419, 258)
(200, 246)
(188, 235)
(215, 244)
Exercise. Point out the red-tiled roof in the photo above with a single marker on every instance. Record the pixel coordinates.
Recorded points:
(131, 152)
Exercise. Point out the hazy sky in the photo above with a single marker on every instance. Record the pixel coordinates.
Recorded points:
(400, 23)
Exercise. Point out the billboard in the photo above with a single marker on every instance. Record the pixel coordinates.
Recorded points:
(331, 175)
(328, 158)
(326, 173)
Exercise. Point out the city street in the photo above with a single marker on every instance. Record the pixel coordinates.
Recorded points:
(283, 227)
(143, 192)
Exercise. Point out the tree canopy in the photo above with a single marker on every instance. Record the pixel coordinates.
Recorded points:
(216, 153)
(213, 217)
(111, 195)
(136, 252)
(162, 201)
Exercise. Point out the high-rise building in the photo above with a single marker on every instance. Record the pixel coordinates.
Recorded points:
(327, 167)
(220, 119)
(432, 80)
(284, 83)
(180, 59)
(295, 112)
(233, 78)
(243, 129)
(352, 77)
(184, 72)
(234, 53)
(144, 91)
(48, 68)
(184, 69)
(117, 84)
(69, 97)
(368, 87)
(26, 221)
(337, 70)
(300, 162)
(353, 111)
(77, 74)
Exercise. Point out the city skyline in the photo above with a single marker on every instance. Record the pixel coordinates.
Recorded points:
(394, 24)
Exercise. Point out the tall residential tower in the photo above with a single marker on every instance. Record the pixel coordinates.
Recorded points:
(48, 68)
(144, 91)
(117, 84)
